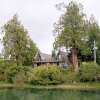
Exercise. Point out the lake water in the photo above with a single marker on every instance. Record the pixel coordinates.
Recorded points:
(32, 94)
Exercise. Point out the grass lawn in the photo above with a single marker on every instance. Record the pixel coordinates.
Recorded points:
(76, 86)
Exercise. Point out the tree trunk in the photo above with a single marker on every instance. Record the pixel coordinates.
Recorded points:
(75, 59)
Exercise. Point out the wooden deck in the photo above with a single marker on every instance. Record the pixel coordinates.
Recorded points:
(38, 63)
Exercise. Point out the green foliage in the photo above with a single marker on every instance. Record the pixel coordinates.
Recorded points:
(11, 73)
(48, 75)
(74, 30)
(98, 51)
(45, 75)
(30, 53)
(71, 30)
(18, 46)
(70, 26)
(93, 31)
(2, 67)
(72, 77)
(89, 72)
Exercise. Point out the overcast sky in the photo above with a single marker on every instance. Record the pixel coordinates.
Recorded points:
(38, 17)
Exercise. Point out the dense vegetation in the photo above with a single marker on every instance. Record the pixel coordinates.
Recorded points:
(78, 33)
(74, 32)
(17, 45)
(48, 75)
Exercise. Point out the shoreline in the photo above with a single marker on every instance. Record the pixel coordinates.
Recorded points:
(80, 86)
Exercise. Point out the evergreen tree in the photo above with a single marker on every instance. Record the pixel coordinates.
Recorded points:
(17, 44)
(71, 30)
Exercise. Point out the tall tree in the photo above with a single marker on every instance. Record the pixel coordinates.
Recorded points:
(30, 53)
(70, 29)
(94, 36)
(16, 41)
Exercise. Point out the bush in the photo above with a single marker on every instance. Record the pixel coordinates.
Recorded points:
(72, 77)
(89, 72)
(2, 70)
(11, 73)
(45, 75)
(48, 75)
(17, 74)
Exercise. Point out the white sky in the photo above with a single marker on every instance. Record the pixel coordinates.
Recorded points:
(38, 17)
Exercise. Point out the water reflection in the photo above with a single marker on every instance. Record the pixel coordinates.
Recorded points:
(33, 94)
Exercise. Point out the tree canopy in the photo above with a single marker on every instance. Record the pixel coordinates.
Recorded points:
(17, 44)
(75, 31)
(70, 29)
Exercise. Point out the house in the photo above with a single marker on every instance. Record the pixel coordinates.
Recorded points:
(42, 58)
(63, 58)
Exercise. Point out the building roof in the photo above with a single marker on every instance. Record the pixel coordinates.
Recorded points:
(63, 56)
(43, 57)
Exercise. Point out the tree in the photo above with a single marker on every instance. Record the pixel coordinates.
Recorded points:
(86, 52)
(31, 51)
(16, 42)
(94, 35)
(71, 30)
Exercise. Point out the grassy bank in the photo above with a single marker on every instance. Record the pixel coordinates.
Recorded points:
(78, 86)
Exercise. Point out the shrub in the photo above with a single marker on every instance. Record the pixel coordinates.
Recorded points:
(10, 72)
(72, 77)
(2, 70)
(45, 75)
(17, 73)
(89, 72)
